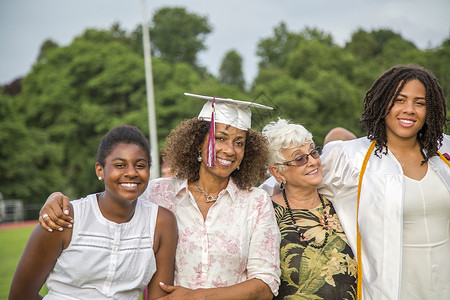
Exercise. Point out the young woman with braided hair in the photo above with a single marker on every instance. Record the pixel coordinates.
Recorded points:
(391, 189)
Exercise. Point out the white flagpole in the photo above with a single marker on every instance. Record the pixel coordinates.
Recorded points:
(154, 152)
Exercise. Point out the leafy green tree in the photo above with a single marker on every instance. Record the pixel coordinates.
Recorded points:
(274, 51)
(46, 46)
(288, 96)
(76, 95)
(171, 105)
(231, 70)
(338, 103)
(26, 155)
(177, 35)
(365, 74)
(382, 36)
(13, 88)
(315, 34)
(314, 84)
(362, 45)
(321, 103)
(136, 43)
(438, 60)
(312, 56)
(384, 46)
(399, 51)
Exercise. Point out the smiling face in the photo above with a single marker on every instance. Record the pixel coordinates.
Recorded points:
(408, 114)
(230, 147)
(126, 172)
(308, 176)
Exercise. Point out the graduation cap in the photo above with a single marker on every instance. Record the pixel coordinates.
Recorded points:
(227, 111)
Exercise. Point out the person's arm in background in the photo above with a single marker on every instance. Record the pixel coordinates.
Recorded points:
(271, 186)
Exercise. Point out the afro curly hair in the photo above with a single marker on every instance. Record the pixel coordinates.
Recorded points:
(181, 152)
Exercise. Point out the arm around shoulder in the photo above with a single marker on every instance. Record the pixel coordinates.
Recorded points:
(341, 162)
(55, 214)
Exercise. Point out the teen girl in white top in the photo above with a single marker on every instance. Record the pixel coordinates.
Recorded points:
(118, 246)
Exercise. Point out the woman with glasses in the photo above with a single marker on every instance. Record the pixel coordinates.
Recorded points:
(315, 258)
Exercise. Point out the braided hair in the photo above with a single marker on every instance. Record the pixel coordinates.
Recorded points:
(377, 105)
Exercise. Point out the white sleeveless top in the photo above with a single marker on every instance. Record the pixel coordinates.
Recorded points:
(105, 260)
(426, 239)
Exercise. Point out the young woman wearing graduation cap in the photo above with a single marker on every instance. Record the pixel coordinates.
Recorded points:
(228, 245)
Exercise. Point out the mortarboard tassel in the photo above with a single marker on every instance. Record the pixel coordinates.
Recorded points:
(211, 150)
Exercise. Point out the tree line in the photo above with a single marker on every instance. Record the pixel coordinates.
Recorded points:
(51, 120)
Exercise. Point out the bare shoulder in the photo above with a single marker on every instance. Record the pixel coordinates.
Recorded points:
(165, 213)
(166, 227)
(165, 217)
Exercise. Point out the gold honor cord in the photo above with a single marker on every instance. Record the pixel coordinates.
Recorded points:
(443, 158)
(358, 236)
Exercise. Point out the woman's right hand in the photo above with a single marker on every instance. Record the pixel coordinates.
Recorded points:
(55, 214)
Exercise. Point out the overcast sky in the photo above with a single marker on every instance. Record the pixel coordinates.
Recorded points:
(237, 24)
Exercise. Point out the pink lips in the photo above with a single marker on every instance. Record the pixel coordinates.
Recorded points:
(224, 162)
(406, 122)
(129, 186)
(313, 172)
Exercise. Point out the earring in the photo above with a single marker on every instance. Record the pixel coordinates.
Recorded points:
(238, 167)
(199, 158)
(282, 185)
(99, 178)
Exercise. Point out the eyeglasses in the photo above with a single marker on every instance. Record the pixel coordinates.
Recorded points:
(302, 159)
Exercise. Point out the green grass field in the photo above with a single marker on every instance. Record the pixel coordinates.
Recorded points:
(12, 243)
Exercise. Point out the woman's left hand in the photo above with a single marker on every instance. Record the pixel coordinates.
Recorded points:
(178, 292)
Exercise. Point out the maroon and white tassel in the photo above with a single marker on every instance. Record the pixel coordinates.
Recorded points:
(211, 150)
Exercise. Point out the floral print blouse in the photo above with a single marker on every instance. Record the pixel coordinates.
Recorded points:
(238, 240)
(310, 273)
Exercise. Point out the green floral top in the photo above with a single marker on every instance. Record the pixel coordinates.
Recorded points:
(310, 273)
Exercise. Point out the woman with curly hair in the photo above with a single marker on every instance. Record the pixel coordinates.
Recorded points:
(228, 246)
(391, 189)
